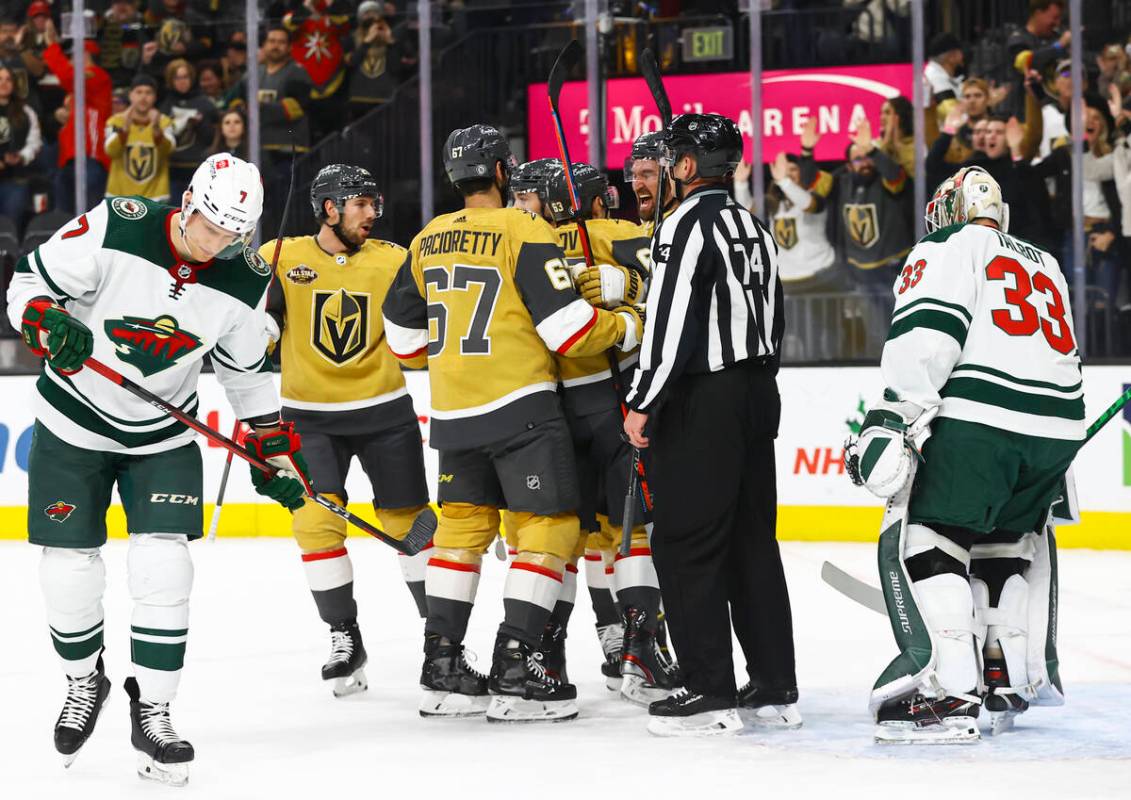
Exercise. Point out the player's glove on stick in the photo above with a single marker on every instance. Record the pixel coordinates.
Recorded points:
(280, 449)
(49, 330)
(610, 285)
(633, 317)
(892, 435)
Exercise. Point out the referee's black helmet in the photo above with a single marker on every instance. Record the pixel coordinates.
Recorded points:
(713, 139)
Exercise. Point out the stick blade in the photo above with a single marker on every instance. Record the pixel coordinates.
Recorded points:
(421, 533)
(853, 588)
(650, 69)
(567, 59)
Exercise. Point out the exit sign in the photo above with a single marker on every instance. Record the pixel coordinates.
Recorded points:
(708, 44)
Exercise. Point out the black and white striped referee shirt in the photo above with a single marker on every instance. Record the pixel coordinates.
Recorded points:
(715, 299)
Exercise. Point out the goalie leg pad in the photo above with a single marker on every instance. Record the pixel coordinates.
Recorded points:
(1043, 663)
(1002, 600)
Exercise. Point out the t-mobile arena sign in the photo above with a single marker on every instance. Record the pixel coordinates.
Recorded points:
(838, 97)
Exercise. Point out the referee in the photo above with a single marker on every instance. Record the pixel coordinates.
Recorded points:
(705, 388)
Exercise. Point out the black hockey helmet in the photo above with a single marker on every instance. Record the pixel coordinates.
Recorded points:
(590, 184)
(533, 176)
(471, 154)
(649, 146)
(340, 182)
(713, 139)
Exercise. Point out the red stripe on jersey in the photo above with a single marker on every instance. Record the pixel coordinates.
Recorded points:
(454, 565)
(549, 573)
(593, 556)
(341, 551)
(571, 568)
(568, 343)
(636, 551)
(413, 354)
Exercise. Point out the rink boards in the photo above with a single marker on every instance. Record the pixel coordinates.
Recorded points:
(820, 407)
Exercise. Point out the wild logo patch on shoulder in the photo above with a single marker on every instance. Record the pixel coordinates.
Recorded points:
(301, 274)
(151, 345)
(258, 265)
(128, 208)
(59, 511)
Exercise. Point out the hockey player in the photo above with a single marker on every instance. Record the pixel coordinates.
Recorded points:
(982, 343)
(642, 173)
(346, 396)
(604, 460)
(486, 292)
(149, 289)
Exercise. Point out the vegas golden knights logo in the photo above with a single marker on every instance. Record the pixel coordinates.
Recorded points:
(785, 232)
(341, 325)
(141, 162)
(373, 66)
(862, 223)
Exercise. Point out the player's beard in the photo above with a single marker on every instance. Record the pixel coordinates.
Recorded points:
(351, 238)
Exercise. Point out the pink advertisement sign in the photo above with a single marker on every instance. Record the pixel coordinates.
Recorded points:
(838, 97)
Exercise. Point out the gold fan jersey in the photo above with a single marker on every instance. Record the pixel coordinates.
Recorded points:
(487, 293)
(588, 381)
(337, 372)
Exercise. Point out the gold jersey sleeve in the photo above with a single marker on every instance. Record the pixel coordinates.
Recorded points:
(486, 292)
(334, 356)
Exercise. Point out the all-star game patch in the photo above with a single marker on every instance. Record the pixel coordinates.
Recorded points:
(59, 511)
(301, 274)
(256, 262)
(127, 208)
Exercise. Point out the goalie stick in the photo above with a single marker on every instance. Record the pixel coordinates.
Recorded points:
(870, 596)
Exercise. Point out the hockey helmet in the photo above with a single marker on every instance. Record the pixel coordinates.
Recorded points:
(533, 176)
(589, 183)
(228, 192)
(713, 139)
(340, 182)
(647, 147)
(472, 153)
(967, 195)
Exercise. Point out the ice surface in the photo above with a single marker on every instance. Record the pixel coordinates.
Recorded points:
(265, 726)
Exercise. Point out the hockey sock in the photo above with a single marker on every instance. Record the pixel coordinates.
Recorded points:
(636, 582)
(597, 576)
(564, 607)
(451, 580)
(330, 575)
(73, 581)
(397, 522)
(534, 582)
(160, 580)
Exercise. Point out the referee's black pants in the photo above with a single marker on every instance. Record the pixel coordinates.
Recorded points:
(711, 469)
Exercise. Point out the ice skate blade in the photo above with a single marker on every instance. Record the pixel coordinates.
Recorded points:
(613, 684)
(785, 717)
(352, 684)
(505, 708)
(169, 774)
(452, 705)
(1002, 721)
(636, 691)
(953, 730)
(709, 723)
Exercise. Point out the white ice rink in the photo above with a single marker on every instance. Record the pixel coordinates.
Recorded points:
(265, 726)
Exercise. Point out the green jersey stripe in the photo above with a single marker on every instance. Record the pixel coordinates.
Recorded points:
(932, 301)
(1019, 381)
(70, 650)
(190, 402)
(77, 634)
(41, 268)
(85, 417)
(159, 631)
(934, 320)
(164, 657)
(981, 391)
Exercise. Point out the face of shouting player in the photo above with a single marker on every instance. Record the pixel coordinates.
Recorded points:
(645, 184)
(356, 221)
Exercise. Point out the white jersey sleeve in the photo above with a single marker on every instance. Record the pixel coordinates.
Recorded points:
(65, 267)
(243, 367)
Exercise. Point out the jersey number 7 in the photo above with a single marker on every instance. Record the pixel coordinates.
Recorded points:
(1056, 330)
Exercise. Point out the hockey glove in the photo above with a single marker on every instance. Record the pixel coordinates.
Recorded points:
(49, 330)
(891, 437)
(633, 317)
(610, 285)
(280, 449)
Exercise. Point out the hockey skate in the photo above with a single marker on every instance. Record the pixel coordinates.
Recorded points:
(451, 687)
(553, 651)
(162, 755)
(1002, 702)
(687, 713)
(921, 720)
(523, 690)
(85, 698)
(612, 642)
(648, 675)
(346, 665)
(768, 708)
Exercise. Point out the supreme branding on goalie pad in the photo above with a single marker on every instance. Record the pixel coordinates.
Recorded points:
(1044, 666)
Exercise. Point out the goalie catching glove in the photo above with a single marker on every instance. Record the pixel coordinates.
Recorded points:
(49, 330)
(893, 434)
(280, 449)
(611, 285)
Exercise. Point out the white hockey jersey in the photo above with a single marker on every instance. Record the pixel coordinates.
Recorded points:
(153, 318)
(982, 326)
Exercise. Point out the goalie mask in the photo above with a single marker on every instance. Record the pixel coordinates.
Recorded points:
(969, 194)
(228, 192)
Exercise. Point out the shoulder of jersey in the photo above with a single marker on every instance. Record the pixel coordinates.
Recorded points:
(619, 226)
(130, 208)
(942, 234)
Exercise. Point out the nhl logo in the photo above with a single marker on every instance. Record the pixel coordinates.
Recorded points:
(533, 483)
(340, 260)
(59, 511)
(127, 208)
(184, 272)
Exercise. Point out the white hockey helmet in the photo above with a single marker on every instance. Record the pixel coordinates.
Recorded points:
(228, 192)
(967, 195)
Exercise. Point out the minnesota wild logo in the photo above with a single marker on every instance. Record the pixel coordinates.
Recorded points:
(59, 511)
(151, 345)
(341, 325)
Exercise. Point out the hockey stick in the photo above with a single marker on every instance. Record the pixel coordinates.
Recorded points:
(422, 527)
(870, 597)
(215, 524)
(567, 58)
(650, 69)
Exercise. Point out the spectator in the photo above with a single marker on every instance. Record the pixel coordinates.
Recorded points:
(19, 145)
(139, 143)
(45, 93)
(318, 30)
(174, 39)
(1114, 67)
(181, 29)
(194, 123)
(897, 132)
(374, 61)
(120, 37)
(12, 58)
(1038, 45)
(1122, 167)
(210, 78)
(231, 135)
(119, 101)
(942, 75)
(98, 90)
(234, 61)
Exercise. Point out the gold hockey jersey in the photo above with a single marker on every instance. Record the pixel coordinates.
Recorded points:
(588, 380)
(487, 293)
(328, 309)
